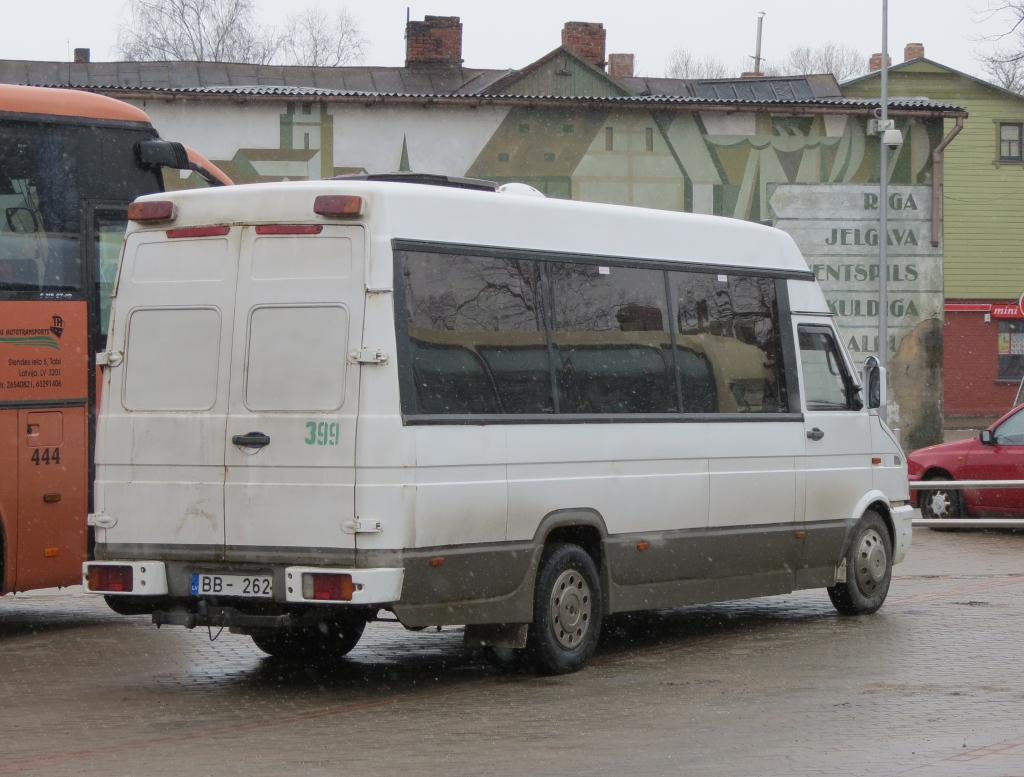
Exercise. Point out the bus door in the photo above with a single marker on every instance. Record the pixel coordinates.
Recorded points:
(838, 445)
(291, 432)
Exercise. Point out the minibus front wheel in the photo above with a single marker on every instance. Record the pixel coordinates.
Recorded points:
(868, 568)
(567, 610)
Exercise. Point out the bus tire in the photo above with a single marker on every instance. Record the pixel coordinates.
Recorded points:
(322, 640)
(868, 568)
(567, 610)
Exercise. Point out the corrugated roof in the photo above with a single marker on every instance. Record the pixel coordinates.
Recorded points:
(426, 84)
(898, 103)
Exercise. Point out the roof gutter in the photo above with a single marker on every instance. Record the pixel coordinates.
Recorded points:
(794, 109)
(937, 176)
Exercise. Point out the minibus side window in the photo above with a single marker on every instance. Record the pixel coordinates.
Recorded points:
(696, 381)
(827, 385)
(451, 379)
(732, 323)
(609, 329)
(476, 334)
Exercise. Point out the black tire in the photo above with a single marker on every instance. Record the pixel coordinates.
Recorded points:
(511, 660)
(945, 503)
(868, 568)
(322, 640)
(567, 610)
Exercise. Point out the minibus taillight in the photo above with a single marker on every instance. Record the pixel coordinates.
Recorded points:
(156, 210)
(109, 578)
(289, 229)
(338, 205)
(327, 586)
(198, 232)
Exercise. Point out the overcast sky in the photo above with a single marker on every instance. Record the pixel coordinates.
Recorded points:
(512, 34)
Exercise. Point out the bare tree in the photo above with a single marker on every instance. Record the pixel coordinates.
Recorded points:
(840, 60)
(1002, 71)
(320, 39)
(685, 64)
(227, 31)
(196, 30)
(1003, 63)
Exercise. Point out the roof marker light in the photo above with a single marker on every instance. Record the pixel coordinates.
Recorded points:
(289, 229)
(338, 205)
(198, 232)
(154, 210)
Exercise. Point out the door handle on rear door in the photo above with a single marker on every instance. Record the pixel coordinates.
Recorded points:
(815, 434)
(251, 440)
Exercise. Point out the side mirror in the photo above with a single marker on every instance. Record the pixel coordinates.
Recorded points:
(162, 153)
(874, 380)
(986, 437)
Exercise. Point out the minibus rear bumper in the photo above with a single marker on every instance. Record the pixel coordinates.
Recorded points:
(292, 585)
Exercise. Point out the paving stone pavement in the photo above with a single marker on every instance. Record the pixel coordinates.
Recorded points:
(930, 685)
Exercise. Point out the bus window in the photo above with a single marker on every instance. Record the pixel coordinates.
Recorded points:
(696, 382)
(608, 325)
(733, 320)
(108, 237)
(464, 313)
(39, 231)
(826, 383)
(451, 380)
(521, 375)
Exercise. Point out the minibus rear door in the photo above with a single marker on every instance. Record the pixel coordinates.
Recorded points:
(294, 394)
(160, 442)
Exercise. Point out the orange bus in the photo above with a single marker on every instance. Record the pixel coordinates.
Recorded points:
(70, 163)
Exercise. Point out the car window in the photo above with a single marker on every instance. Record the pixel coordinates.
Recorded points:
(1010, 431)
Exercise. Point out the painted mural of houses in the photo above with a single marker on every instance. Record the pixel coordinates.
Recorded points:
(792, 150)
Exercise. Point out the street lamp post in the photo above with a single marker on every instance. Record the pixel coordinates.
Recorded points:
(883, 205)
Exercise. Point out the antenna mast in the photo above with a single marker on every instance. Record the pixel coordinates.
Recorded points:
(757, 52)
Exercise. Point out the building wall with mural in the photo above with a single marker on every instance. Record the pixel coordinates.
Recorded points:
(814, 176)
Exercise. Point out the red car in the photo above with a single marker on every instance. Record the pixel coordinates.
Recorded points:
(996, 454)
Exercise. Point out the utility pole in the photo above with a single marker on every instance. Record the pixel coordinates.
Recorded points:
(883, 206)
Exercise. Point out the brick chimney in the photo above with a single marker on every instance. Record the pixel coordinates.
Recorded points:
(620, 65)
(913, 51)
(81, 56)
(586, 39)
(875, 63)
(436, 41)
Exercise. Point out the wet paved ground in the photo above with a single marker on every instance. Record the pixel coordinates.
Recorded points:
(931, 685)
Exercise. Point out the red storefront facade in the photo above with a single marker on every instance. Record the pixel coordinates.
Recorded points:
(984, 356)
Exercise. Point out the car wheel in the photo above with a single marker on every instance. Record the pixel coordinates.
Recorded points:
(322, 640)
(944, 503)
(868, 568)
(567, 610)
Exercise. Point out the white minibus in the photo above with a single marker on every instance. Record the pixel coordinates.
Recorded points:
(467, 404)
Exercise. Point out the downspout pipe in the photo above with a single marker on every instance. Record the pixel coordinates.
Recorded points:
(937, 176)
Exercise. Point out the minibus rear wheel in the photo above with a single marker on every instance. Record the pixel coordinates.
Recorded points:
(567, 610)
(321, 640)
(868, 568)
